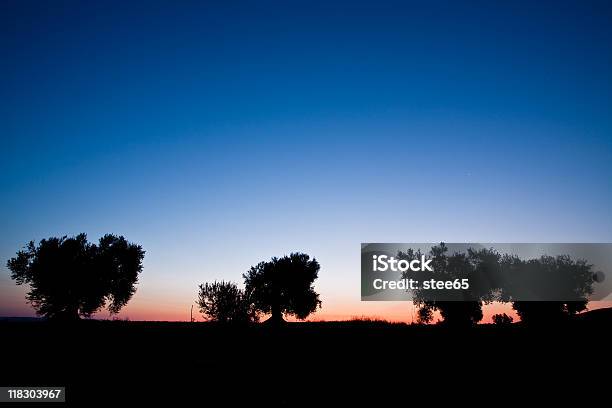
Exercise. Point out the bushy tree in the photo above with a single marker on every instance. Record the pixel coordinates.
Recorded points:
(224, 302)
(546, 313)
(569, 279)
(502, 319)
(284, 286)
(506, 278)
(457, 308)
(424, 314)
(71, 278)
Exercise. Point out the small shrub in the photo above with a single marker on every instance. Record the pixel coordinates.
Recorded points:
(502, 319)
(224, 302)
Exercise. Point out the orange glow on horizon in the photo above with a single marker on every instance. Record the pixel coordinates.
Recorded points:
(390, 311)
(157, 308)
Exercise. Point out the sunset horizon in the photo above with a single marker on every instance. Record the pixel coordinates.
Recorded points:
(215, 160)
(287, 203)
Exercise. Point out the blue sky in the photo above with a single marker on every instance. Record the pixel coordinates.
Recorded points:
(220, 135)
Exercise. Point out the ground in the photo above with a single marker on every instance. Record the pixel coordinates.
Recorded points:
(307, 363)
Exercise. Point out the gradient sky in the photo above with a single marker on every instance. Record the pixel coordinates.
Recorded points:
(220, 135)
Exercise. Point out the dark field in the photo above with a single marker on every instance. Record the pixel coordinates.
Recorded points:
(200, 364)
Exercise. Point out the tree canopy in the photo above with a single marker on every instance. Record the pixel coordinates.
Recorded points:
(502, 278)
(284, 286)
(224, 302)
(457, 308)
(70, 277)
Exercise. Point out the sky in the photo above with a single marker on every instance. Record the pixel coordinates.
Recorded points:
(218, 135)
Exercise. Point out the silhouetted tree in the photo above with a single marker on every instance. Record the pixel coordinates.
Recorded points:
(457, 308)
(565, 277)
(506, 278)
(460, 313)
(424, 314)
(71, 278)
(502, 319)
(224, 302)
(284, 286)
(546, 313)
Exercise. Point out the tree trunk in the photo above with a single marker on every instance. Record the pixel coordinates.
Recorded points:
(70, 314)
(277, 316)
